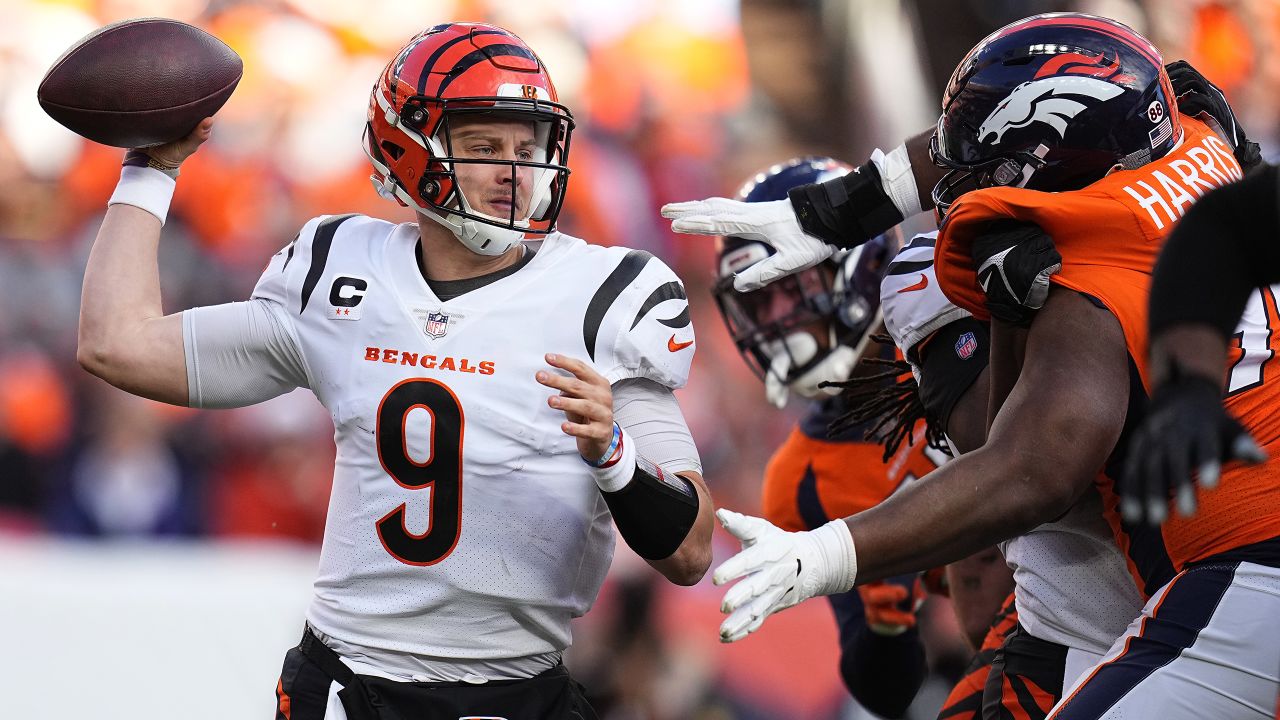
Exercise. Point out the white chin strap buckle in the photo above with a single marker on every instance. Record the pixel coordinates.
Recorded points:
(386, 188)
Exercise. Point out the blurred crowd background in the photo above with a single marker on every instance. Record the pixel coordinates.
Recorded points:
(674, 99)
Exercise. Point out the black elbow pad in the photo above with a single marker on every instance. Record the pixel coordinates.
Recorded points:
(655, 511)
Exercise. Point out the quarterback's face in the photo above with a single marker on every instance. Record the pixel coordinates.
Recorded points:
(493, 188)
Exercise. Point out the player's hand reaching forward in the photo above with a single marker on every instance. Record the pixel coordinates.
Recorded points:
(773, 223)
(780, 569)
(587, 401)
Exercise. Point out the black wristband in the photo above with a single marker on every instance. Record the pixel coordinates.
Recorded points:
(655, 511)
(846, 211)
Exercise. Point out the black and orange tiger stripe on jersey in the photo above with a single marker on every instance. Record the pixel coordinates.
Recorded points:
(1025, 680)
(965, 700)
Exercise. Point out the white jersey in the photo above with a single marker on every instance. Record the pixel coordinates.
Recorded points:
(462, 524)
(911, 301)
(1073, 584)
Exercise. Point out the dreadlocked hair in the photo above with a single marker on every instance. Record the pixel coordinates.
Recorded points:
(889, 401)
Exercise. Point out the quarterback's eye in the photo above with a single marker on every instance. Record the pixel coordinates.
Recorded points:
(481, 150)
(524, 155)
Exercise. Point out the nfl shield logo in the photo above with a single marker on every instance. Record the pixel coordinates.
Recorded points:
(966, 346)
(437, 324)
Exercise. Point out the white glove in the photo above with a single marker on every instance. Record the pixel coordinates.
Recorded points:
(771, 222)
(781, 568)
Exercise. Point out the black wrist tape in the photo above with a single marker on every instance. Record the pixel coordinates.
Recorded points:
(654, 511)
(846, 211)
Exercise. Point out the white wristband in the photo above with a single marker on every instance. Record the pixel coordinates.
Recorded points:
(145, 188)
(616, 476)
(835, 543)
(898, 181)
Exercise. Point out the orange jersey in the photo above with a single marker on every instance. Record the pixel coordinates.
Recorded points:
(812, 480)
(1109, 235)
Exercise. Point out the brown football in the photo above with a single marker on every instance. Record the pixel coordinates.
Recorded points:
(140, 82)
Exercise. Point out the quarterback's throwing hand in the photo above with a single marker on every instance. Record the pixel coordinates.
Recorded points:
(780, 569)
(773, 223)
(174, 153)
(1186, 430)
(587, 401)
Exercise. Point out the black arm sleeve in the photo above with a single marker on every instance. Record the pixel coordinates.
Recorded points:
(845, 211)
(1227, 244)
(883, 673)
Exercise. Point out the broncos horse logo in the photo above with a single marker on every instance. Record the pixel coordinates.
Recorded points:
(1052, 100)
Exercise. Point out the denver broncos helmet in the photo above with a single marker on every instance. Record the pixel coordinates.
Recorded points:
(1053, 102)
(811, 326)
(447, 72)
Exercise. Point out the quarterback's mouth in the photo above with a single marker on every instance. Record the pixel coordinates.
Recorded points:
(502, 205)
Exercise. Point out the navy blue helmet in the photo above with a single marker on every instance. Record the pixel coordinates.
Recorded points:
(836, 302)
(1053, 102)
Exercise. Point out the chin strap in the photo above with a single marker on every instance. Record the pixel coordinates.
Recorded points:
(836, 366)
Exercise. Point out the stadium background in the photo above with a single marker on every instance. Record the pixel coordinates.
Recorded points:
(155, 558)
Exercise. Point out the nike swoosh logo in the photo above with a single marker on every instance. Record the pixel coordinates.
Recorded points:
(924, 283)
(674, 346)
(995, 264)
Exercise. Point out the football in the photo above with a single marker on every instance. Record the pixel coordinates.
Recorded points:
(140, 82)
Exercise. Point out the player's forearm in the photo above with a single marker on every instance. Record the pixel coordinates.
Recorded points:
(849, 210)
(1055, 431)
(955, 511)
(121, 283)
(926, 172)
(1195, 349)
(690, 561)
(123, 337)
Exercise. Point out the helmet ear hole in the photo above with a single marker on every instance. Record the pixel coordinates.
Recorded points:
(391, 149)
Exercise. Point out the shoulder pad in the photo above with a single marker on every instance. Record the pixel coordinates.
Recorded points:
(637, 322)
(910, 297)
(292, 274)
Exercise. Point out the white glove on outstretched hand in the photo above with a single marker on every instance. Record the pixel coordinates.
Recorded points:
(781, 568)
(773, 223)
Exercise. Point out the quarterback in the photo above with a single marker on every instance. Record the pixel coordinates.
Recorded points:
(499, 405)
